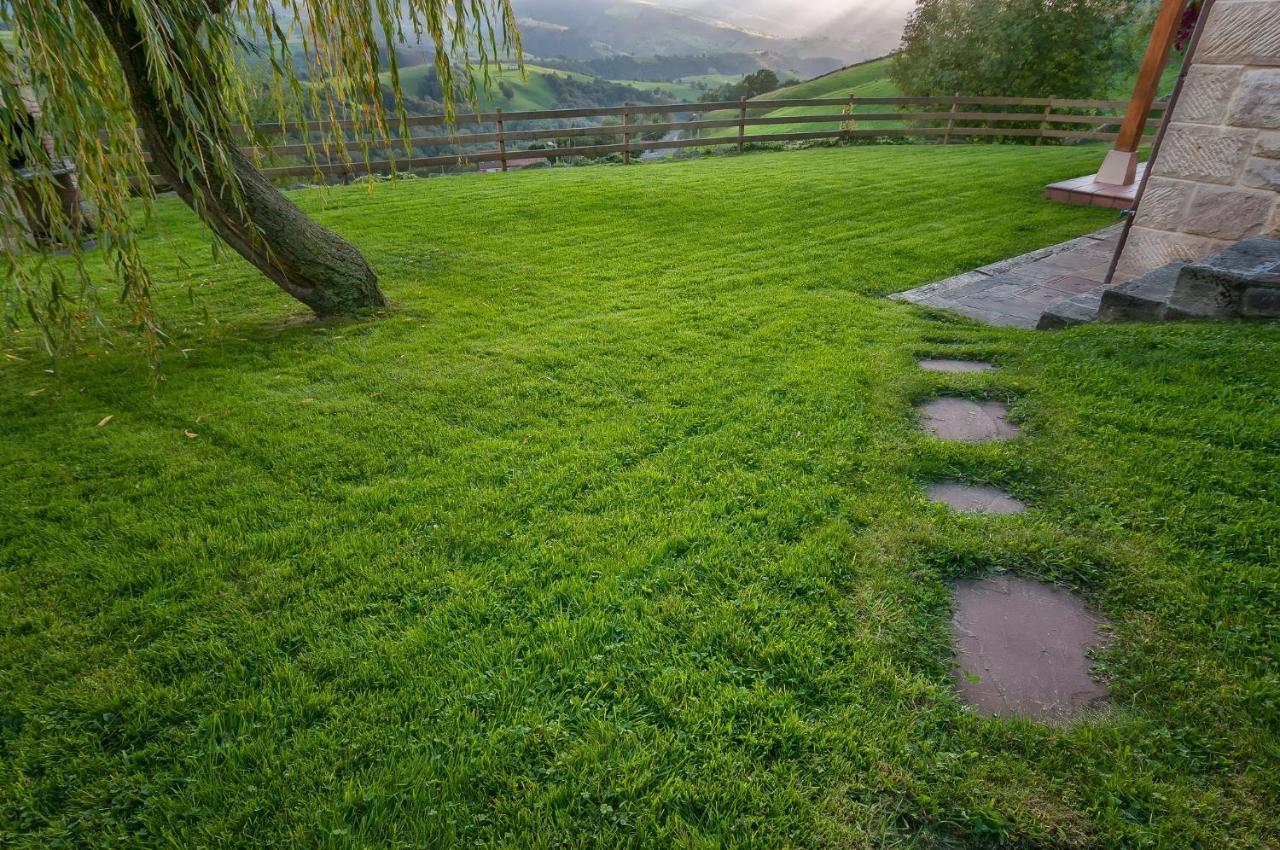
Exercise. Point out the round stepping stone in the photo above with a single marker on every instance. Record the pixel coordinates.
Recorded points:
(966, 420)
(974, 499)
(1022, 648)
(944, 365)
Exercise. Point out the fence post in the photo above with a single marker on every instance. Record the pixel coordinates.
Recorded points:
(955, 101)
(502, 140)
(626, 136)
(1044, 121)
(742, 122)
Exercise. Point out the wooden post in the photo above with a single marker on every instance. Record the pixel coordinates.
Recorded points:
(626, 136)
(742, 122)
(502, 140)
(1120, 166)
(1044, 121)
(955, 101)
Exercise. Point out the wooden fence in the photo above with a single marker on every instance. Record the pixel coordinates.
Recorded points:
(948, 119)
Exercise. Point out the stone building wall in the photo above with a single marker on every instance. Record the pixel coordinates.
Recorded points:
(1217, 176)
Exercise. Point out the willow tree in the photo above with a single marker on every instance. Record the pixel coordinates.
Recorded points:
(131, 87)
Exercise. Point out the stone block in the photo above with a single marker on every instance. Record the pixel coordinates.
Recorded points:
(1260, 302)
(1251, 262)
(1218, 285)
(1267, 145)
(1226, 213)
(1262, 174)
(1164, 203)
(1257, 99)
(1205, 154)
(1197, 295)
(1142, 299)
(1148, 249)
(1241, 33)
(1206, 93)
(1071, 311)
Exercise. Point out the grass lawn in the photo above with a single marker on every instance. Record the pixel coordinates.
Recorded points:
(613, 533)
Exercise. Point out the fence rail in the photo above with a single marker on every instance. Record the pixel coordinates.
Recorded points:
(919, 113)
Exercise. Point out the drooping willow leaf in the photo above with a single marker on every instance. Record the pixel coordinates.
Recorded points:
(217, 62)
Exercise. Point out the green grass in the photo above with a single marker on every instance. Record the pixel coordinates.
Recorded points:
(612, 533)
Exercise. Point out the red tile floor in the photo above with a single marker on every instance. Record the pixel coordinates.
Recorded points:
(1087, 192)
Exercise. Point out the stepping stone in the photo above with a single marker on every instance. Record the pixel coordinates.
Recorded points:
(1021, 648)
(943, 365)
(966, 420)
(974, 499)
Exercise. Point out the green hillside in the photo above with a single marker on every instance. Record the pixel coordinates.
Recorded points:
(837, 83)
(869, 79)
(680, 91)
(537, 88)
(534, 90)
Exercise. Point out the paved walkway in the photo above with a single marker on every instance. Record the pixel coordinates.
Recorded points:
(1020, 647)
(1014, 292)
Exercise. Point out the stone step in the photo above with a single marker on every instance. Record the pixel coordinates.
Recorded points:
(1142, 299)
(1242, 281)
(1077, 310)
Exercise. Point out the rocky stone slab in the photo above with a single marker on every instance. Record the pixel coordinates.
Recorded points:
(1022, 649)
(1142, 299)
(943, 364)
(966, 420)
(1219, 285)
(974, 498)
(1077, 310)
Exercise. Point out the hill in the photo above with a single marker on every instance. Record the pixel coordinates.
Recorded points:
(866, 79)
(539, 88)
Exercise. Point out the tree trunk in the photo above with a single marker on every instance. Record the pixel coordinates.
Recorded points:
(309, 262)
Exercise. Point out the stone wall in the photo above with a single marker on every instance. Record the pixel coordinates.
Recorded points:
(1217, 176)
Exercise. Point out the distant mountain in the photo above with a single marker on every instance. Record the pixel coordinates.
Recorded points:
(661, 67)
(861, 24)
(579, 30)
(630, 39)
(582, 30)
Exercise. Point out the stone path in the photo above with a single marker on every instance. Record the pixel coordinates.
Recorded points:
(966, 420)
(1021, 647)
(955, 366)
(1014, 292)
(974, 498)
